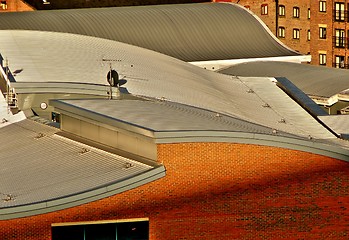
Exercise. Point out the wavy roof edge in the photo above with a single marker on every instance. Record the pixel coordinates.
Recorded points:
(209, 127)
(190, 32)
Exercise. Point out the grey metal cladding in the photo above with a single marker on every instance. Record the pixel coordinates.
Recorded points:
(312, 80)
(37, 166)
(300, 97)
(161, 116)
(190, 32)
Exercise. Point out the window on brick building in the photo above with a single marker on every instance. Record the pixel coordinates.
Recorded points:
(322, 33)
(264, 9)
(322, 59)
(339, 12)
(322, 6)
(309, 13)
(282, 10)
(281, 32)
(308, 35)
(3, 5)
(116, 230)
(339, 38)
(339, 62)
(296, 12)
(295, 33)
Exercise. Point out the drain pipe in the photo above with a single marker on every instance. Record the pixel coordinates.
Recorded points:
(276, 17)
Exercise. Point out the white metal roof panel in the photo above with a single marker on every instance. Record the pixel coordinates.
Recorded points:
(190, 32)
(146, 73)
(38, 166)
(313, 80)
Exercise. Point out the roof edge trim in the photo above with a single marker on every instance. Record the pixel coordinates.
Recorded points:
(82, 198)
(310, 146)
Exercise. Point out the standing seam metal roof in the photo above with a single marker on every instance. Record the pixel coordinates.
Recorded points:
(42, 169)
(153, 75)
(313, 80)
(190, 32)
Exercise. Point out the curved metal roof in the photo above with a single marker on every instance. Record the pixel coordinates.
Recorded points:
(190, 32)
(313, 80)
(63, 58)
(58, 173)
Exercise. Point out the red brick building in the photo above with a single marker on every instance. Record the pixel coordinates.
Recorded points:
(15, 6)
(318, 28)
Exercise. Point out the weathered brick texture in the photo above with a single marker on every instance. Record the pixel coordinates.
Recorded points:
(223, 191)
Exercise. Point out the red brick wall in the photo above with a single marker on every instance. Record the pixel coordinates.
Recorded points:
(223, 191)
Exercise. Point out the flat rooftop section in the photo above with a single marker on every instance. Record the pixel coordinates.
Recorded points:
(156, 116)
(312, 80)
(189, 32)
(41, 171)
(169, 122)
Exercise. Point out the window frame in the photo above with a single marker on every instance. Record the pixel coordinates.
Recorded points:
(3, 5)
(296, 12)
(340, 39)
(282, 11)
(322, 33)
(339, 12)
(339, 61)
(322, 6)
(87, 230)
(296, 33)
(322, 59)
(281, 32)
(264, 9)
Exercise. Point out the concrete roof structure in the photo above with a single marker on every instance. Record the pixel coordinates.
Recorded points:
(190, 32)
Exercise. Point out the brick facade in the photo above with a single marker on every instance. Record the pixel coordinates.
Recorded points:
(286, 21)
(222, 191)
(15, 6)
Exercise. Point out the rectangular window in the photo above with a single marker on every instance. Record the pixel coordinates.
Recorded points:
(308, 35)
(322, 33)
(264, 9)
(3, 5)
(322, 59)
(308, 13)
(296, 12)
(281, 32)
(339, 62)
(339, 39)
(281, 10)
(339, 13)
(295, 33)
(322, 6)
(118, 230)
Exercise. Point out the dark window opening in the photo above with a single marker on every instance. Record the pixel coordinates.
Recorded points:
(104, 231)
